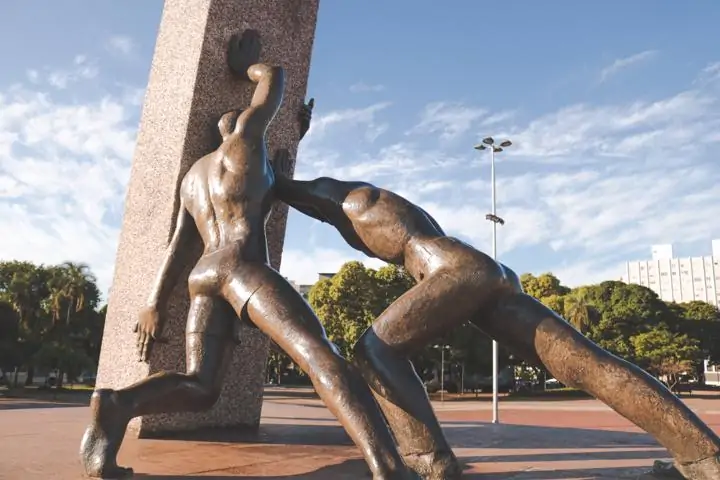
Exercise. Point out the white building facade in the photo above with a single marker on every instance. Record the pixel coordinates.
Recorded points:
(678, 279)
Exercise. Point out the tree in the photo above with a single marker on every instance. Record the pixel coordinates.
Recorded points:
(347, 304)
(55, 317)
(664, 353)
(579, 312)
(701, 321)
(623, 311)
(542, 286)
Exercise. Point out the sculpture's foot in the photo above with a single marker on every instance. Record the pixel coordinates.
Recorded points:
(434, 465)
(705, 469)
(102, 439)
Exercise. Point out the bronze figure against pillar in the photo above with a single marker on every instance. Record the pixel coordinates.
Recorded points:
(457, 283)
(226, 198)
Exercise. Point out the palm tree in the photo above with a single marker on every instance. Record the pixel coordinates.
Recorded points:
(579, 312)
(69, 285)
(24, 286)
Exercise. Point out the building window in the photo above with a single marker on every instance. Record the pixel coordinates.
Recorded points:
(663, 274)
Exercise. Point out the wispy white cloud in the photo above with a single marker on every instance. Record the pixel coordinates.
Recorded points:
(709, 74)
(60, 79)
(361, 87)
(594, 184)
(626, 62)
(447, 119)
(597, 132)
(121, 44)
(63, 171)
(589, 184)
(350, 117)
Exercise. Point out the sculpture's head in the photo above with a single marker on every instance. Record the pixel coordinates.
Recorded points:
(228, 123)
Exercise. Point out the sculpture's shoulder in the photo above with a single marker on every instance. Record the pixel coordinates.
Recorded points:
(197, 175)
(361, 196)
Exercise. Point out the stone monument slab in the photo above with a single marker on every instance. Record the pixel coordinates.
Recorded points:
(189, 87)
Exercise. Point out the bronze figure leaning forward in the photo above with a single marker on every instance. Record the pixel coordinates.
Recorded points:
(457, 283)
(226, 197)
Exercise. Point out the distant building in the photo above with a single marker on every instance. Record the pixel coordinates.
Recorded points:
(681, 280)
(678, 279)
(712, 374)
(305, 289)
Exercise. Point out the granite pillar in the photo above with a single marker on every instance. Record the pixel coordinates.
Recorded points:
(190, 86)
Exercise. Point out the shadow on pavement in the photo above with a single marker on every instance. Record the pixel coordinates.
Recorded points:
(591, 473)
(462, 435)
(356, 469)
(347, 470)
(28, 404)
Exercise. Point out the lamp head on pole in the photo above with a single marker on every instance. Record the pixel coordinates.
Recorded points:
(480, 147)
(497, 149)
(506, 143)
(488, 141)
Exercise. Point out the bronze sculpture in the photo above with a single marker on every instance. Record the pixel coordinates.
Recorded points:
(456, 283)
(227, 195)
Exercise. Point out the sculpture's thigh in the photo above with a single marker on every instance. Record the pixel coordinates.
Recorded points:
(209, 339)
(434, 306)
(261, 295)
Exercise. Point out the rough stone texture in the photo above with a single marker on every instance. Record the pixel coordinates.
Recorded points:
(190, 86)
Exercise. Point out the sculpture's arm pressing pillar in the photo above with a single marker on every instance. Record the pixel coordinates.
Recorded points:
(172, 262)
(265, 101)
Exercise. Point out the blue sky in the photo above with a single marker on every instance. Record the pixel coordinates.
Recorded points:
(612, 106)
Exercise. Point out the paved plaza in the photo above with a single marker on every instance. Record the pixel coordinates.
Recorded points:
(299, 439)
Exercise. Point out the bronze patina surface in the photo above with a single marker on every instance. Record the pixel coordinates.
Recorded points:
(226, 198)
(457, 283)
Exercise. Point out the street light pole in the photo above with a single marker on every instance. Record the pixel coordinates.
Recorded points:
(489, 143)
(442, 374)
(442, 370)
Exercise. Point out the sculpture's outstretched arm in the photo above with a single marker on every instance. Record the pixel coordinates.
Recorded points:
(243, 60)
(172, 263)
(265, 101)
(307, 197)
(301, 195)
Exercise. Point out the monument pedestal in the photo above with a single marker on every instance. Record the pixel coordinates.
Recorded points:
(190, 87)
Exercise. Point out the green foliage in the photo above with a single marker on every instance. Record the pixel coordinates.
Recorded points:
(49, 317)
(542, 286)
(663, 352)
(350, 301)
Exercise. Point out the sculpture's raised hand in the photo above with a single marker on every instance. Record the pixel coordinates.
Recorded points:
(282, 163)
(243, 51)
(305, 116)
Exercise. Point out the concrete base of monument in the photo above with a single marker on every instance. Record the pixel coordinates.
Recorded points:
(299, 439)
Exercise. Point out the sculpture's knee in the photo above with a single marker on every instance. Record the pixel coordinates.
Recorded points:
(205, 391)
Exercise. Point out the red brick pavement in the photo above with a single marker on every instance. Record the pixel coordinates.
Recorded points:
(300, 440)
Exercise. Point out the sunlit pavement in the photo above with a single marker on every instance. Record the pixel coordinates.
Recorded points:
(538, 440)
